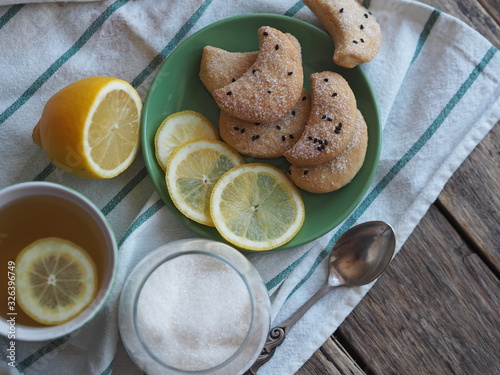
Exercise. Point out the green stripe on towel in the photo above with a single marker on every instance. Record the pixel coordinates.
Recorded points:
(10, 13)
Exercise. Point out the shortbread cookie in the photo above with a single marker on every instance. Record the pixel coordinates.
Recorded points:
(354, 30)
(219, 67)
(266, 140)
(340, 171)
(331, 121)
(271, 86)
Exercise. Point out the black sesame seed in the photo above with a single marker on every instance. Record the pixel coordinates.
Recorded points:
(337, 131)
(268, 91)
(253, 71)
(340, 125)
(310, 138)
(234, 79)
(242, 130)
(323, 117)
(315, 140)
(265, 33)
(361, 27)
(254, 137)
(304, 98)
(323, 147)
(366, 15)
(306, 172)
(257, 123)
(369, 13)
(291, 136)
(320, 142)
(341, 10)
(290, 73)
(283, 138)
(361, 40)
(319, 149)
(325, 142)
(329, 119)
(326, 80)
(236, 128)
(278, 127)
(293, 113)
(334, 94)
(355, 41)
(229, 93)
(276, 47)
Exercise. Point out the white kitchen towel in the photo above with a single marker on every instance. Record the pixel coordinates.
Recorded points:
(11, 2)
(437, 85)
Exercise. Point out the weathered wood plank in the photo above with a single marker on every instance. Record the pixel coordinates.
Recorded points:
(493, 8)
(434, 311)
(471, 199)
(331, 359)
(474, 14)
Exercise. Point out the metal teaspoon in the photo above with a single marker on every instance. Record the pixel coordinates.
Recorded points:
(358, 257)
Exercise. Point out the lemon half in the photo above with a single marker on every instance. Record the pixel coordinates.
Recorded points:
(56, 280)
(90, 128)
(255, 206)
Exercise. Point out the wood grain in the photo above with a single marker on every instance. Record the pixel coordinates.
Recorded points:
(435, 311)
(471, 200)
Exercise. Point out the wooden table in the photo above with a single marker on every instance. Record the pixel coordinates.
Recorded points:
(437, 308)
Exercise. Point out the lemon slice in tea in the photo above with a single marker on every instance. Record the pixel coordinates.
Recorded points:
(56, 280)
(192, 171)
(255, 206)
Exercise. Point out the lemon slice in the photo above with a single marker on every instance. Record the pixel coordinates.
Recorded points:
(255, 206)
(192, 171)
(56, 280)
(179, 128)
(90, 128)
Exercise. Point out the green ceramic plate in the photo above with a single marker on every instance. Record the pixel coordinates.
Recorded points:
(177, 87)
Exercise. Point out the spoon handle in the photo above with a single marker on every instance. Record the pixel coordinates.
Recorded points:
(277, 334)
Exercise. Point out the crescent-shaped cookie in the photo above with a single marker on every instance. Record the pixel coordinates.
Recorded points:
(266, 140)
(354, 30)
(331, 121)
(340, 171)
(219, 67)
(271, 86)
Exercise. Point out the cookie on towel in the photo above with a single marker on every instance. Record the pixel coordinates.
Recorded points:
(331, 121)
(271, 86)
(340, 171)
(266, 140)
(354, 30)
(219, 67)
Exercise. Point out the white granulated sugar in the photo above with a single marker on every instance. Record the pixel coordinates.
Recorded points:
(194, 312)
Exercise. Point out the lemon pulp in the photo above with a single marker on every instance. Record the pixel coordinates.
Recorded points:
(192, 171)
(255, 206)
(179, 128)
(56, 280)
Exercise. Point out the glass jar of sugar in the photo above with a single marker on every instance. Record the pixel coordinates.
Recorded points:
(194, 307)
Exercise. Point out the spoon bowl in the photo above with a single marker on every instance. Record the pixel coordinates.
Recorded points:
(361, 254)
